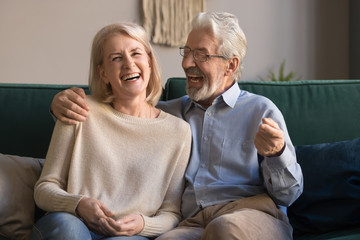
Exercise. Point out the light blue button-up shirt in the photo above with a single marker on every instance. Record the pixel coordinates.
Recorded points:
(224, 164)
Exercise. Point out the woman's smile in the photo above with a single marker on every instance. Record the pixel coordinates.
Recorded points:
(131, 77)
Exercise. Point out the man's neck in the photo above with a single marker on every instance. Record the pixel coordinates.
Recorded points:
(208, 102)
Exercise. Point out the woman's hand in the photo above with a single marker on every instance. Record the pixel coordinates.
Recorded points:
(91, 211)
(128, 225)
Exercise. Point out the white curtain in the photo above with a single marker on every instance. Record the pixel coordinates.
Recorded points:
(168, 21)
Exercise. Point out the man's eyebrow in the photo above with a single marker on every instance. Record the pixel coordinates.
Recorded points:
(201, 49)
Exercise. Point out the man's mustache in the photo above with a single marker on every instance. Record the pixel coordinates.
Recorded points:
(194, 71)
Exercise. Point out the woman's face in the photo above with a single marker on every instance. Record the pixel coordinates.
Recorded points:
(126, 66)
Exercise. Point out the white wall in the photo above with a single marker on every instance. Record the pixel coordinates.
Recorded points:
(48, 41)
(311, 35)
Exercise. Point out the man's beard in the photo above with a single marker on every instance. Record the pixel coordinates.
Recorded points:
(205, 92)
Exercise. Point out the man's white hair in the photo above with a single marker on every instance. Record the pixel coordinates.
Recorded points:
(225, 27)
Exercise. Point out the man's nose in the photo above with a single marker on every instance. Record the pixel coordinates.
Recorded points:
(188, 61)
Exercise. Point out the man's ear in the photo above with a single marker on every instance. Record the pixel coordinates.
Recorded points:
(232, 66)
(102, 74)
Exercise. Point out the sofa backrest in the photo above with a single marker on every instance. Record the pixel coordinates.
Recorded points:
(315, 111)
(25, 121)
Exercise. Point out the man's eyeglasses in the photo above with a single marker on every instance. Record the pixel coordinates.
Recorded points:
(198, 54)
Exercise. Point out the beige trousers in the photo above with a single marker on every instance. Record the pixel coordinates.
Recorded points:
(250, 218)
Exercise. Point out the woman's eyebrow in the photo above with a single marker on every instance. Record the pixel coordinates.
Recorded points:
(136, 49)
(132, 50)
(115, 53)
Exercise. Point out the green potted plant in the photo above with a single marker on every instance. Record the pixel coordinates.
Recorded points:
(282, 77)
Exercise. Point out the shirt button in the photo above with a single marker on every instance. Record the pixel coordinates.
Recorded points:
(201, 202)
(206, 138)
(203, 165)
(209, 114)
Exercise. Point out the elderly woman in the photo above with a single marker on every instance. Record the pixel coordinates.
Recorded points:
(119, 173)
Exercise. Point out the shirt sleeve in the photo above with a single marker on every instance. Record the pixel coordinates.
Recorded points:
(282, 174)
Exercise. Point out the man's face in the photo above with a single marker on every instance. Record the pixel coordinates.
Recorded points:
(205, 80)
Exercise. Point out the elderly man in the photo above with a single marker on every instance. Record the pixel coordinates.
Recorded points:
(243, 165)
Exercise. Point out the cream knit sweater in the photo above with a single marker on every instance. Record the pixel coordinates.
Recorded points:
(132, 165)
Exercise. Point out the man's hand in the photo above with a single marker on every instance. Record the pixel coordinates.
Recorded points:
(70, 106)
(92, 211)
(128, 225)
(269, 139)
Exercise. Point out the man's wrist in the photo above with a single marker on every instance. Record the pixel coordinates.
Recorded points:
(278, 153)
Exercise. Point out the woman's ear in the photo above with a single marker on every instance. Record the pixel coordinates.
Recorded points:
(102, 74)
(232, 66)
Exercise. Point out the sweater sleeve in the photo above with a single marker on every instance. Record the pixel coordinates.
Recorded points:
(50, 190)
(168, 216)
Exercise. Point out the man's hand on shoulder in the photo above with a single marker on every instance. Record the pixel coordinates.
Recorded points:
(269, 139)
(70, 106)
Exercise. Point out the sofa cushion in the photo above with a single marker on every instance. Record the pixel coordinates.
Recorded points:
(341, 234)
(18, 176)
(331, 197)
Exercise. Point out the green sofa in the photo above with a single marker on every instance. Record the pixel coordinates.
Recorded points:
(323, 119)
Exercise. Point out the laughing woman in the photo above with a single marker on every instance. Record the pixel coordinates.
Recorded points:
(119, 174)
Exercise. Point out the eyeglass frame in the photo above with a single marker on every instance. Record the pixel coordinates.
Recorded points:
(182, 53)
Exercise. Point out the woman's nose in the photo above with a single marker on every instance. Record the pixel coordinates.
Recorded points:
(128, 61)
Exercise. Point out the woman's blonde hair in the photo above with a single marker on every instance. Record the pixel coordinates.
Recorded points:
(97, 86)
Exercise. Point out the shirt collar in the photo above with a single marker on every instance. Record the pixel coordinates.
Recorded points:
(187, 103)
(231, 95)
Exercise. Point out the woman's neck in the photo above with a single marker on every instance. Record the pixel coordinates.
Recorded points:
(137, 108)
